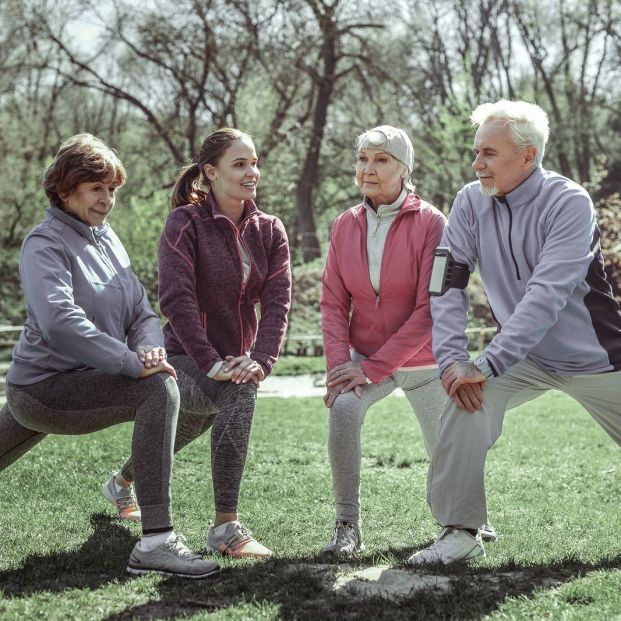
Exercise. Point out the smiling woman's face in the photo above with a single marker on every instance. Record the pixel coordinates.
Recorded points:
(92, 201)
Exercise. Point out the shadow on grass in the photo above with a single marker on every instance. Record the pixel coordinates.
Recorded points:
(101, 559)
(302, 593)
(300, 588)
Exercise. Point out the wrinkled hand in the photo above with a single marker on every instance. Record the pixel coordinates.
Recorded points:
(150, 355)
(349, 373)
(332, 393)
(463, 383)
(162, 367)
(243, 369)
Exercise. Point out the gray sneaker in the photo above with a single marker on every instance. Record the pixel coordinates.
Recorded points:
(488, 533)
(172, 558)
(346, 541)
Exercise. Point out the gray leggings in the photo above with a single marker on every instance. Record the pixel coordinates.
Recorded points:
(229, 409)
(81, 402)
(426, 397)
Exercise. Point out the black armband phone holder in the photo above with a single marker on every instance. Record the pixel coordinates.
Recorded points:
(446, 272)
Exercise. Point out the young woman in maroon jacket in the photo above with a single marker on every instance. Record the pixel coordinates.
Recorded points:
(219, 257)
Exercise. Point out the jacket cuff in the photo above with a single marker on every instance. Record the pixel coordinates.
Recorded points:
(265, 363)
(132, 365)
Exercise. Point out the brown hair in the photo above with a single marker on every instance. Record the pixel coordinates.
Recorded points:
(191, 185)
(80, 159)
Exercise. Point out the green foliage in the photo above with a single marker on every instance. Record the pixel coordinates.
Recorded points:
(552, 486)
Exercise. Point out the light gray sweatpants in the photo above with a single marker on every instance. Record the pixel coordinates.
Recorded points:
(455, 485)
(426, 397)
(80, 402)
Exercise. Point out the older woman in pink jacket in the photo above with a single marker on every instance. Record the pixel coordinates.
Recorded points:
(375, 314)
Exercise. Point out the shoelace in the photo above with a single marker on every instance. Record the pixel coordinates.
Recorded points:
(127, 502)
(344, 533)
(442, 541)
(241, 536)
(178, 546)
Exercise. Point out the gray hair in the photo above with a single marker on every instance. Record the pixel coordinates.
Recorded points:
(528, 123)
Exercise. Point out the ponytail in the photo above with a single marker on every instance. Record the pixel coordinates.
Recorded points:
(187, 188)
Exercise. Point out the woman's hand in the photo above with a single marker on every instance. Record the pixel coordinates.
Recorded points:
(332, 393)
(349, 373)
(243, 369)
(151, 355)
(162, 367)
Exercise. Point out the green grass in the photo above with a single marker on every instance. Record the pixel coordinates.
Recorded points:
(299, 365)
(553, 490)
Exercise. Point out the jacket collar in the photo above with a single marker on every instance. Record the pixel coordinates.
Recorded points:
(91, 233)
(526, 192)
(411, 203)
(250, 208)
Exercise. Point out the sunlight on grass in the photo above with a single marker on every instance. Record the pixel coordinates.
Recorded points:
(553, 491)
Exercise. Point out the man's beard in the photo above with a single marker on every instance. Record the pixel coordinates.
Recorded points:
(488, 190)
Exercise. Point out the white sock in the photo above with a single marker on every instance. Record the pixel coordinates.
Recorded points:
(119, 488)
(220, 530)
(150, 542)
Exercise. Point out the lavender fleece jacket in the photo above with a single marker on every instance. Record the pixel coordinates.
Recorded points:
(539, 257)
(85, 306)
(210, 311)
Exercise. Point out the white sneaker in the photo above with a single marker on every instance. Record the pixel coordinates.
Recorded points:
(488, 533)
(124, 500)
(451, 546)
(172, 558)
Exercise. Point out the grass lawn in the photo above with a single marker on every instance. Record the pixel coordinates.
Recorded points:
(299, 365)
(553, 487)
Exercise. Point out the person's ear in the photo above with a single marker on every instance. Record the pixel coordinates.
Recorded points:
(530, 154)
(210, 172)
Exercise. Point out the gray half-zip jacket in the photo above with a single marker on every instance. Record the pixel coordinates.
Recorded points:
(378, 225)
(85, 307)
(539, 257)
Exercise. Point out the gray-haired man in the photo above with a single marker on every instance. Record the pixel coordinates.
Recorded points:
(534, 236)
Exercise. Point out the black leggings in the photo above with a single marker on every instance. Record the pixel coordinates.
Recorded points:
(81, 402)
(229, 409)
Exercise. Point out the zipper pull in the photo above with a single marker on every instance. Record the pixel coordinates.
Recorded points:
(377, 300)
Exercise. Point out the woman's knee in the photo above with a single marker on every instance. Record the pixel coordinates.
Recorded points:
(346, 409)
(162, 387)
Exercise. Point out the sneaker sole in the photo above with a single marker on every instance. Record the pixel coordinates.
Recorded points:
(341, 555)
(136, 571)
(472, 555)
(210, 550)
(489, 538)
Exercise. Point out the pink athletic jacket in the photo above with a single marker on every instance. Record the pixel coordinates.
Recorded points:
(210, 311)
(393, 328)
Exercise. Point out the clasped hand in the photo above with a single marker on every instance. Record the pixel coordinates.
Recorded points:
(463, 383)
(240, 370)
(153, 357)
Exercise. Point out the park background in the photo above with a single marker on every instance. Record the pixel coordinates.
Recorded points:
(304, 77)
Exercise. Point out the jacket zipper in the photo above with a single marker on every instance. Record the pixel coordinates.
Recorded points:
(366, 254)
(504, 201)
(236, 234)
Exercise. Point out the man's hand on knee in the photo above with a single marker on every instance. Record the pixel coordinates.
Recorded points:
(463, 383)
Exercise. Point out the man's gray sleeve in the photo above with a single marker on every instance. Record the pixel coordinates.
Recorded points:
(450, 311)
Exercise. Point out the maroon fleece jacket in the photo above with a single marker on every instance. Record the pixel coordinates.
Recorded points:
(210, 311)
